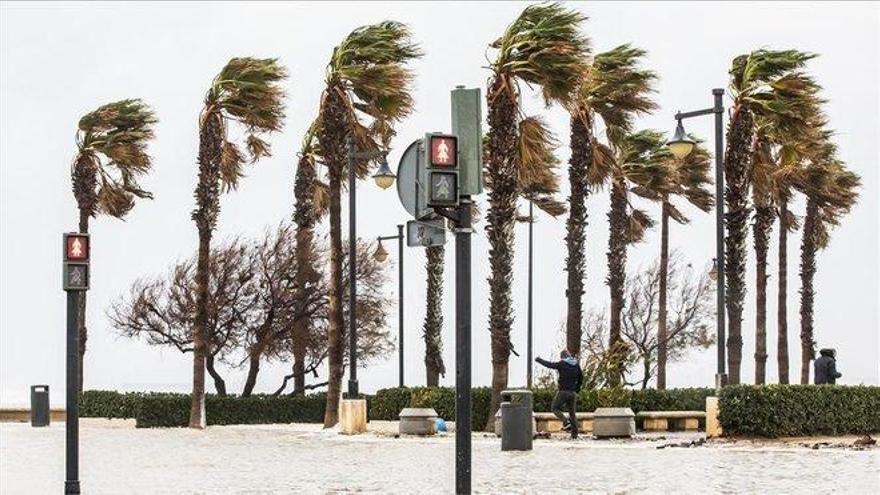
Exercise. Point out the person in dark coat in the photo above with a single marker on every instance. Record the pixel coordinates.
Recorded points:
(570, 380)
(825, 368)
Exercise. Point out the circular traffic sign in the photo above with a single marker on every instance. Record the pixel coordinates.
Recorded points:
(407, 179)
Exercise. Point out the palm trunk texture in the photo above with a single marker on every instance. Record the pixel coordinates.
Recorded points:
(501, 168)
(305, 219)
(333, 135)
(761, 230)
(617, 222)
(782, 298)
(737, 165)
(207, 208)
(809, 245)
(433, 328)
(575, 236)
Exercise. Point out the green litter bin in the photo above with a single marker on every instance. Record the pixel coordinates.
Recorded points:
(39, 405)
(516, 420)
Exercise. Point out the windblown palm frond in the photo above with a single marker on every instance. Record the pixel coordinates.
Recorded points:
(617, 88)
(111, 157)
(543, 46)
(537, 165)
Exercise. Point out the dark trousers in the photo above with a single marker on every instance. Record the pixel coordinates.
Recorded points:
(567, 400)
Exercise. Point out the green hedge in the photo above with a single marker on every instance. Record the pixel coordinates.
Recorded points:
(108, 404)
(387, 403)
(799, 410)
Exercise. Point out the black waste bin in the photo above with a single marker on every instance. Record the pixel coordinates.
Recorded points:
(39, 405)
(516, 420)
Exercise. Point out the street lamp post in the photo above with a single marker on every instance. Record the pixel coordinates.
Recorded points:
(381, 255)
(529, 312)
(681, 145)
(381, 178)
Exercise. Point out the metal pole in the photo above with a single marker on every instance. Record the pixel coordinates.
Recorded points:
(463, 348)
(71, 458)
(529, 313)
(400, 297)
(721, 376)
(352, 271)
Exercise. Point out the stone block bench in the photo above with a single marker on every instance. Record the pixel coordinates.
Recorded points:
(671, 420)
(546, 422)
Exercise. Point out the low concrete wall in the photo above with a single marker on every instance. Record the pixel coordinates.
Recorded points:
(23, 415)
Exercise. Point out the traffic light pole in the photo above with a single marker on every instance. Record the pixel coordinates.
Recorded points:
(463, 232)
(71, 453)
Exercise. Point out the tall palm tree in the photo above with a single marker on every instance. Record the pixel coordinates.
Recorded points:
(763, 165)
(767, 85)
(688, 178)
(542, 47)
(433, 326)
(831, 192)
(638, 165)
(111, 156)
(311, 204)
(367, 78)
(612, 90)
(247, 91)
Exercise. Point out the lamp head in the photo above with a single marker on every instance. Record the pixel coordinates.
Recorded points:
(381, 254)
(713, 273)
(384, 177)
(681, 144)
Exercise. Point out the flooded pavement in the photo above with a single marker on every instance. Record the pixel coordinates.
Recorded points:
(117, 458)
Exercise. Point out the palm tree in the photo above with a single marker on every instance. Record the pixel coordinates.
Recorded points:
(638, 165)
(614, 90)
(767, 86)
(542, 47)
(433, 326)
(831, 192)
(689, 179)
(311, 204)
(111, 156)
(246, 91)
(763, 164)
(367, 77)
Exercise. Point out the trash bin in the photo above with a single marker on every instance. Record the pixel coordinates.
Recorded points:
(39, 405)
(516, 420)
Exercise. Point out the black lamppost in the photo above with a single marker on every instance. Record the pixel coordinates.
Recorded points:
(384, 178)
(529, 311)
(681, 145)
(381, 255)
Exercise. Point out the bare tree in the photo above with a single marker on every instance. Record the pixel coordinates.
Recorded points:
(690, 317)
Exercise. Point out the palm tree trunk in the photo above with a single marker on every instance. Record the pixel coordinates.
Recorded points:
(81, 309)
(575, 237)
(333, 135)
(617, 240)
(661, 316)
(305, 218)
(761, 230)
(434, 366)
(207, 208)
(219, 383)
(782, 297)
(737, 165)
(501, 168)
(809, 246)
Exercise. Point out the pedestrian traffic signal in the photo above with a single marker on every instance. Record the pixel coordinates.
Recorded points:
(76, 247)
(75, 262)
(441, 169)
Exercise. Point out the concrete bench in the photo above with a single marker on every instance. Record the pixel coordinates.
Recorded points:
(671, 420)
(546, 422)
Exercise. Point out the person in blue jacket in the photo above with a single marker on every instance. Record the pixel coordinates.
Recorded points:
(570, 380)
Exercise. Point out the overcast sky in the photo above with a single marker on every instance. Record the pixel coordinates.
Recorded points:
(60, 61)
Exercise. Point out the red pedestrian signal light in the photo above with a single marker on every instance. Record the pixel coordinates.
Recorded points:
(444, 151)
(76, 247)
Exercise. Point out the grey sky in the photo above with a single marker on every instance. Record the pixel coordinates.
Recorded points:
(60, 61)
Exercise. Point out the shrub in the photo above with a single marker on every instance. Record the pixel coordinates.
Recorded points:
(799, 410)
(108, 404)
(158, 410)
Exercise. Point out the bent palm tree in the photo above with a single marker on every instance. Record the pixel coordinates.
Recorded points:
(111, 156)
(541, 47)
(831, 192)
(687, 178)
(311, 204)
(367, 77)
(246, 91)
(766, 85)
